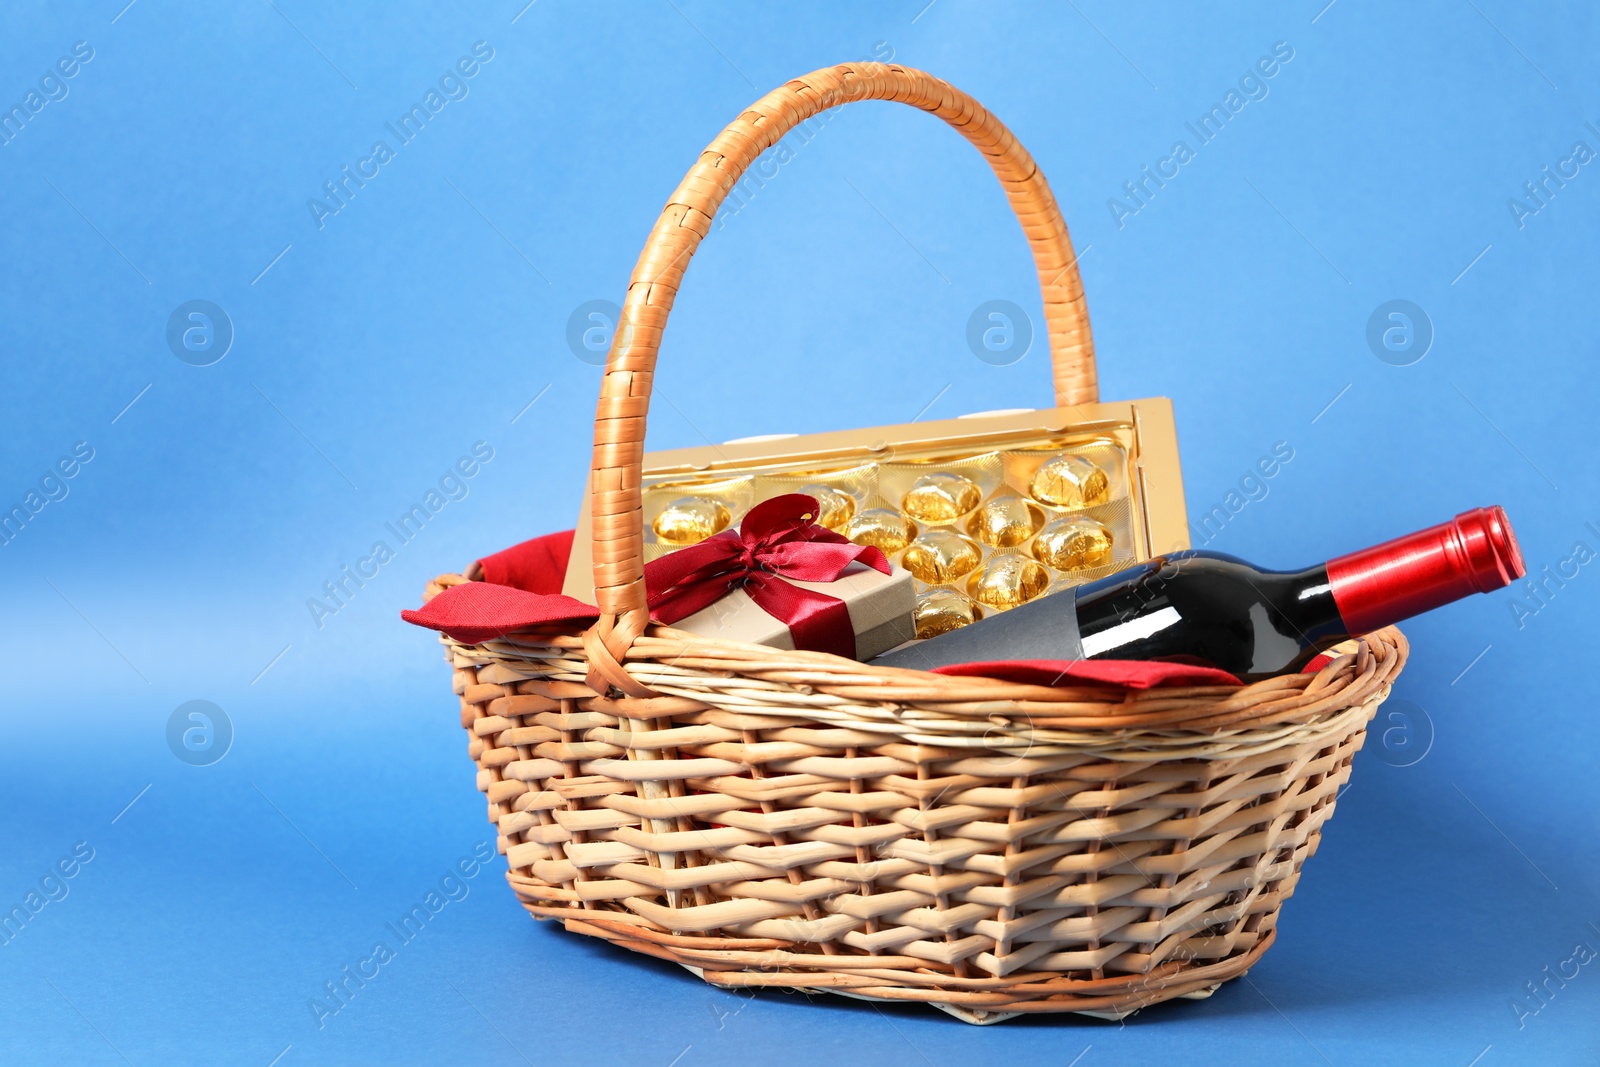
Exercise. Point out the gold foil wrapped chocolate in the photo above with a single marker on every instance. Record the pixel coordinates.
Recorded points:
(834, 508)
(883, 528)
(1069, 481)
(689, 520)
(1008, 580)
(941, 556)
(941, 498)
(1005, 522)
(1073, 543)
(939, 611)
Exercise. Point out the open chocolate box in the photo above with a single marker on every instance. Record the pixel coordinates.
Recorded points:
(986, 511)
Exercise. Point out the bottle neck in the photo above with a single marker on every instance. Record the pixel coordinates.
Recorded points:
(1475, 552)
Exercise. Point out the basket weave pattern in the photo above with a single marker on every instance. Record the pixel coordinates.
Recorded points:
(794, 819)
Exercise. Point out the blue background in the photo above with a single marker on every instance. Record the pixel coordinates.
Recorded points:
(371, 352)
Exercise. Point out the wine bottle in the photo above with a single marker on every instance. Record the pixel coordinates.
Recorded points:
(1216, 610)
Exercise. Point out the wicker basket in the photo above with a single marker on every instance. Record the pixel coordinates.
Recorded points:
(794, 819)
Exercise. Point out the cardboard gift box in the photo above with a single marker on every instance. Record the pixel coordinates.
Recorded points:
(783, 580)
(880, 608)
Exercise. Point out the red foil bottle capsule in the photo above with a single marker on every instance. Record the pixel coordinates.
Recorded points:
(1475, 552)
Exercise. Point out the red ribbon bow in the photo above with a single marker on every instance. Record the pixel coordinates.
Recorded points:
(778, 540)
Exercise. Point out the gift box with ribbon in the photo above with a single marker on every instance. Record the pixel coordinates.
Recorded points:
(779, 580)
(782, 580)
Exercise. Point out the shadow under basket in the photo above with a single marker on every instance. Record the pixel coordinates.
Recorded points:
(770, 818)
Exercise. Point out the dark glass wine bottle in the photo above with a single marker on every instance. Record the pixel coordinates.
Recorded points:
(1214, 610)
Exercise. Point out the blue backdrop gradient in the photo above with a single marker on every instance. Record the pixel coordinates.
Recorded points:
(1452, 910)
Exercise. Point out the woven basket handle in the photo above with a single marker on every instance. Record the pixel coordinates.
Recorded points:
(630, 368)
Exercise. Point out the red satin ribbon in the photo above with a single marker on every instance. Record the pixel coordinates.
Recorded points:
(778, 540)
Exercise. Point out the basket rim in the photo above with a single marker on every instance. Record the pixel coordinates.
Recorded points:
(673, 664)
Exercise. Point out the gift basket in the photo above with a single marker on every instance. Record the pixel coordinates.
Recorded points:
(768, 817)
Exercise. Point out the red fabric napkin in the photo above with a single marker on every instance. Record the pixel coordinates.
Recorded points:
(538, 566)
(522, 590)
(481, 611)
